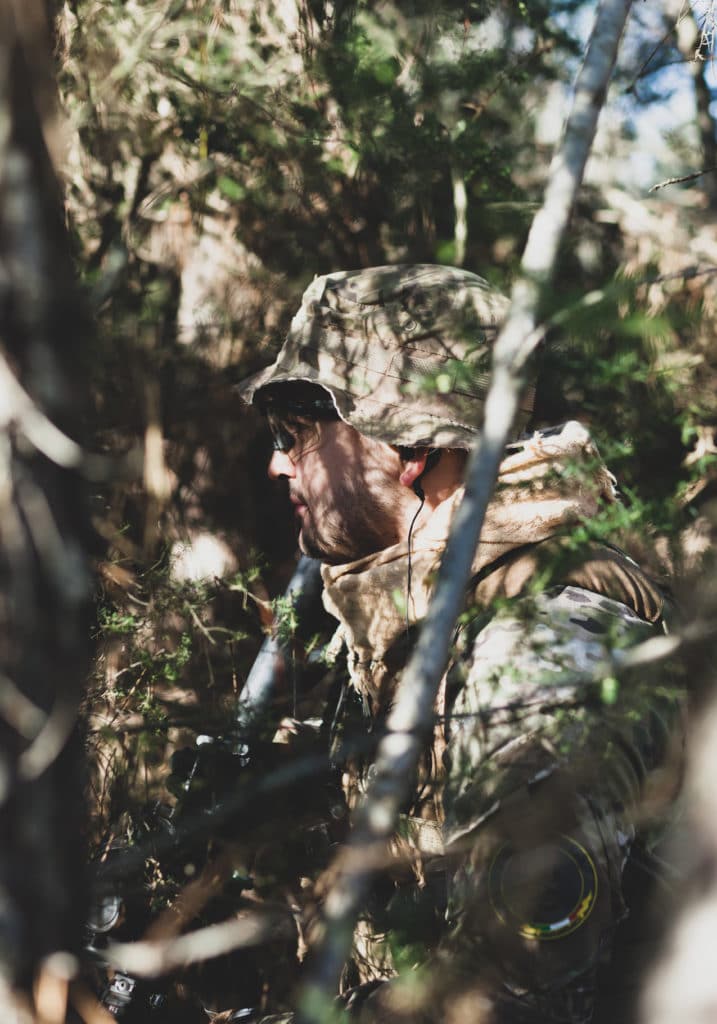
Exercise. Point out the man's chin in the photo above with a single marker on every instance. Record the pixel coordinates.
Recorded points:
(310, 546)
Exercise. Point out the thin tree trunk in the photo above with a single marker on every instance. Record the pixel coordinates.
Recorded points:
(44, 579)
(412, 716)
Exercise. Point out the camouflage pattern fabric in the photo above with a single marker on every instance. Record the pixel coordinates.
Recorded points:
(404, 351)
(546, 772)
(546, 767)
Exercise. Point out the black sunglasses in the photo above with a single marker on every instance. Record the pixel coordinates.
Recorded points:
(293, 421)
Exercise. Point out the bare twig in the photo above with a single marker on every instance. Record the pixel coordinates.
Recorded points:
(151, 958)
(683, 178)
(642, 70)
(686, 274)
(412, 715)
(18, 409)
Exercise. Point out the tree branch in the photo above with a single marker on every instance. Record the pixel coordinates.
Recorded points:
(150, 958)
(682, 179)
(411, 718)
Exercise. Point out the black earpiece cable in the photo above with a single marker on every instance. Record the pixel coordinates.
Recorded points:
(418, 490)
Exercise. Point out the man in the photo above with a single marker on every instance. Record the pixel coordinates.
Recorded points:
(525, 806)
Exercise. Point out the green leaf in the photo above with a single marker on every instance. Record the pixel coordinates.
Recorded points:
(230, 188)
(609, 690)
(446, 252)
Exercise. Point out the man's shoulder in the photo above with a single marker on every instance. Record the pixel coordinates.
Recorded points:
(597, 570)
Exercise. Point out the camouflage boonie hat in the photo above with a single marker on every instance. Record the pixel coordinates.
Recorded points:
(404, 352)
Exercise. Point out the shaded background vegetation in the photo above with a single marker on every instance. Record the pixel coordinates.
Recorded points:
(219, 155)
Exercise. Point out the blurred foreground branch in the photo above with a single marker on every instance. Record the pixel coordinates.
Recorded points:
(152, 958)
(45, 595)
(412, 714)
(682, 983)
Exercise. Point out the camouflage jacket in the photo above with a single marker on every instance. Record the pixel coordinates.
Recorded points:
(540, 739)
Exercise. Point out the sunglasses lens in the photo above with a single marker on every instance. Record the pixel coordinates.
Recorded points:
(282, 439)
(294, 435)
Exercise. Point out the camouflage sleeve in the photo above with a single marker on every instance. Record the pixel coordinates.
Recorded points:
(548, 759)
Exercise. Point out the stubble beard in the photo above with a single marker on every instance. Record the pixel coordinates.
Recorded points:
(361, 524)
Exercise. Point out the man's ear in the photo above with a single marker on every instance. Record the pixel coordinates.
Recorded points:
(413, 467)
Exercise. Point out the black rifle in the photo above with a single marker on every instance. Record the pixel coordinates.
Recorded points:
(275, 662)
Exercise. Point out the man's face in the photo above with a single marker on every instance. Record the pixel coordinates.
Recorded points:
(344, 488)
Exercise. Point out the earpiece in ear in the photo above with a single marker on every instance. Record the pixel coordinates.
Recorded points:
(432, 458)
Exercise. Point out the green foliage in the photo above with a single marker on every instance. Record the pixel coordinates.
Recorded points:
(624, 371)
(171, 657)
(609, 690)
(306, 127)
(115, 622)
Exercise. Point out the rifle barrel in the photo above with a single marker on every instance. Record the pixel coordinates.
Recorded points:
(271, 663)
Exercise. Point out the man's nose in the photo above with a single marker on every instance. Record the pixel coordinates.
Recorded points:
(280, 465)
